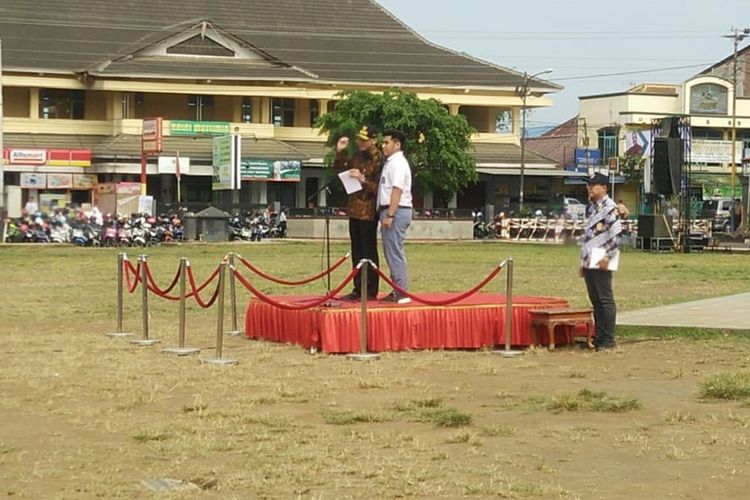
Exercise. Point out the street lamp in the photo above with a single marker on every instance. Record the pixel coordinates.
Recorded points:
(523, 91)
(737, 36)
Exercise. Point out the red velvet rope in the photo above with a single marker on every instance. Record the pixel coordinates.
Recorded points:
(156, 289)
(130, 268)
(445, 302)
(195, 290)
(293, 283)
(290, 307)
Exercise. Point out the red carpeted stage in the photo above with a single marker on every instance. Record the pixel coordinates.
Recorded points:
(474, 322)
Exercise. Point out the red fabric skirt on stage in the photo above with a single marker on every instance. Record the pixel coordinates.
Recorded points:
(475, 322)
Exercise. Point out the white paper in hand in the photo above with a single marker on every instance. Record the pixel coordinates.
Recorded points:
(351, 185)
(598, 254)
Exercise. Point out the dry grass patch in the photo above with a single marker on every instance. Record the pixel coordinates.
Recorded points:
(584, 400)
(733, 385)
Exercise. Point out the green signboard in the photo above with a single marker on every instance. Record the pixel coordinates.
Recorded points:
(187, 127)
(226, 152)
(269, 170)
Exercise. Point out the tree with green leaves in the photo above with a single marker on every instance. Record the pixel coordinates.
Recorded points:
(438, 145)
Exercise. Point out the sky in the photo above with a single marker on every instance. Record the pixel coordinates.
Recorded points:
(592, 46)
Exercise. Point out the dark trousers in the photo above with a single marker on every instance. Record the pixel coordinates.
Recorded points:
(363, 235)
(599, 286)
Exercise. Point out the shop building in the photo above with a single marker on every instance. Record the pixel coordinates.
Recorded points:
(82, 77)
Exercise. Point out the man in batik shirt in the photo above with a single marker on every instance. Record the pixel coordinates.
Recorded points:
(598, 254)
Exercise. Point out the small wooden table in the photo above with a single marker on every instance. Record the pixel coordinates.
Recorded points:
(550, 318)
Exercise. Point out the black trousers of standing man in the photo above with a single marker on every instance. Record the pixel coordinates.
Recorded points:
(363, 235)
(599, 287)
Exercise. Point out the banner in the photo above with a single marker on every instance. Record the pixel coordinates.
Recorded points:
(84, 181)
(59, 181)
(226, 162)
(711, 151)
(638, 143)
(33, 180)
(168, 165)
(128, 188)
(269, 170)
(187, 127)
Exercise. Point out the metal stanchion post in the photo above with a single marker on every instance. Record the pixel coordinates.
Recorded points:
(120, 271)
(144, 295)
(363, 355)
(235, 331)
(218, 360)
(181, 350)
(508, 353)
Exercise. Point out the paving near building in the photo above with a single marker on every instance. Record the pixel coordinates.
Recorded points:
(730, 312)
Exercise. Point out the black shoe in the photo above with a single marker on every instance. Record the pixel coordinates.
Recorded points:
(397, 298)
(352, 297)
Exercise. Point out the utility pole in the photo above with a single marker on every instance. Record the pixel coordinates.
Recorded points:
(736, 36)
(2, 152)
(523, 91)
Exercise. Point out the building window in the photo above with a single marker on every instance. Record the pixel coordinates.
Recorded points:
(607, 144)
(58, 103)
(282, 112)
(201, 106)
(132, 105)
(707, 134)
(504, 122)
(314, 111)
(247, 110)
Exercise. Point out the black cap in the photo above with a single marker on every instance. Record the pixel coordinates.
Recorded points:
(598, 178)
(367, 132)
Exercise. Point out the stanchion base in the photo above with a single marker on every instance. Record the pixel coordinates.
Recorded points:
(181, 351)
(145, 342)
(118, 334)
(234, 333)
(218, 361)
(364, 356)
(507, 353)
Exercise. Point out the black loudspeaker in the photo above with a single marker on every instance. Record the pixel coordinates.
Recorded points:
(654, 226)
(667, 166)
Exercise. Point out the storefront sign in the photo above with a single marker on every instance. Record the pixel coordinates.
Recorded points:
(27, 156)
(269, 170)
(128, 188)
(84, 181)
(31, 180)
(187, 127)
(167, 165)
(587, 157)
(108, 188)
(49, 157)
(226, 162)
(152, 137)
(708, 151)
(59, 181)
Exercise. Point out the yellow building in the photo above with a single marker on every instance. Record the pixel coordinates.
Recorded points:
(79, 80)
(623, 124)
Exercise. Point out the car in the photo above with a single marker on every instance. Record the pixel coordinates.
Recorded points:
(570, 208)
(719, 212)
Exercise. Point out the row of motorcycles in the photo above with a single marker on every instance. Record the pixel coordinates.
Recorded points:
(256, 226)
(138, 230)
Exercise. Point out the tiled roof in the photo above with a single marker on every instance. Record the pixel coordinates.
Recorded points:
(353, 41)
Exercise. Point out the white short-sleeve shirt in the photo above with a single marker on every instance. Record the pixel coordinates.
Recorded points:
(396, 173)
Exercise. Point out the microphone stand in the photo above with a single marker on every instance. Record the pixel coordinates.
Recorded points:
(326, 233)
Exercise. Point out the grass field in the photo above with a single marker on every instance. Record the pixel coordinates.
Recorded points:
(87, 416)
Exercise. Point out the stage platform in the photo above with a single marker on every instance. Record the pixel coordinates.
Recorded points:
(475, 322)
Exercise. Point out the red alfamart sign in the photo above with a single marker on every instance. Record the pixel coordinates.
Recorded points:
(50, 157)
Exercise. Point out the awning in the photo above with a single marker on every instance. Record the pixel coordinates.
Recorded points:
(581, 181)
(532, 172)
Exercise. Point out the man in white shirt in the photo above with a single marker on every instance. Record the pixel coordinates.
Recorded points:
(395, 210)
